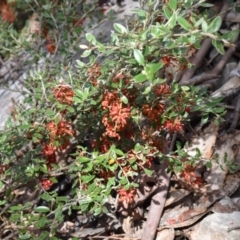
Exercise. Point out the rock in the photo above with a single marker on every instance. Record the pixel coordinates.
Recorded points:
(220, 226)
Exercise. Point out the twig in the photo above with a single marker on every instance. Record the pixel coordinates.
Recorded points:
(198, 79)
(224, 59)
(120, 237)
(213, 74)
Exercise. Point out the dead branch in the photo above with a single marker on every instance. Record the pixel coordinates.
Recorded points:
(157, 204)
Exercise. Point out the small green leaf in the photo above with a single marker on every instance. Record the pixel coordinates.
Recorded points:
(119, 152)
(140, 78)
(232, 35)
(147, 90)
(124, 99)
(140, 12)
(204, 26)
(120, 28)
(24, 236)
(219, 46)
(42, 209)
(184, 24)
(172, 21)
(206, 4)
(167, 12)
(50, 113)
(204, 119)
(185, 88)
(97, 211)
(83, 159)
(173, 4)
(215, 25)
(208, 164)
(80, 64)
(138, 56)
(155, 66)
(87, 179)
(91, 38)
(147, 171)
(79, 93)
(86, 53)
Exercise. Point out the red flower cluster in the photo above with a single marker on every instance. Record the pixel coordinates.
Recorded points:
(93, 73)
(127, 195)
(60, 130)
(173, 126)
(50, 46)
(46, 183)
(153, 113)
(161, 89)
(116, 118)
(191, 177)
(7, 13)
(64, 94)
(169, 60)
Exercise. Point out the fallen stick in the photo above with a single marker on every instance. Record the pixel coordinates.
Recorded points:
(157, 204)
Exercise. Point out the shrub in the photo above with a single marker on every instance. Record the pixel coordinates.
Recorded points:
(104, 124)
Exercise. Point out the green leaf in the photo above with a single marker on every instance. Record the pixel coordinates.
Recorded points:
(167, 12)
(119, 152)
(155, 66)
(50, 113)
(91, 38)
(140, 12)
(46, 197)
(204, 119)
(97, 211)
(172, 21)
(83, 159)
(80, 64)
(3, 138)
(184, 24)
(206, 4)
(24, 236)
(147, 90)
(215, 25)
(120, 28)
(208, 164)
(147, 171)
(185, 88)
(232, 35)
(138, 56)
(173, 4)
(204, 26)
(219, 46)
(87, 179)
(86, 53)
(42, 209)
(124, 99)
(140, 78)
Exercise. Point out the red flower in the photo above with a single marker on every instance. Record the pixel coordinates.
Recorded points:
(162, 89)
(64, 94)
(127, 195)
(191, 177)
(50, 45)
(62, 129)
(173, 126)
(48, 149)
(46, 183)
(7, 13)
